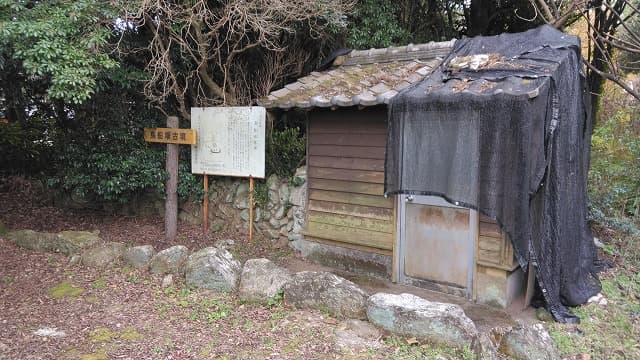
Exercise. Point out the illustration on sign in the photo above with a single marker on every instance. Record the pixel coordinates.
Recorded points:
(230, 141)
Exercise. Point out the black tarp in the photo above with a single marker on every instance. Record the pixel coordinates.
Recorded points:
(507, 133)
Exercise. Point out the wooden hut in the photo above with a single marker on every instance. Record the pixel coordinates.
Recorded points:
(350, 224)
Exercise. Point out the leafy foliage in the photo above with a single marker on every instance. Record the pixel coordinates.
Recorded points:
(63, 41)
(25, 147)
(285, 151)
(615, 165)
(375, 25)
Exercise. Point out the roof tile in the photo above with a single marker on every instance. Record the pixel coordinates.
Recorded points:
(366, 78)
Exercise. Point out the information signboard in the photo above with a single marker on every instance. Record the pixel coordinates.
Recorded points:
(230, 141)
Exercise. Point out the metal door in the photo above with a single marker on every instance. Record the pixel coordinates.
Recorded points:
(436, 244)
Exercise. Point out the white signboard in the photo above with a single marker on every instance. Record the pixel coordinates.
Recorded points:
(230, 141)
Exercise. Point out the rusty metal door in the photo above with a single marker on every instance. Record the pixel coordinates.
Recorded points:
(436, 244)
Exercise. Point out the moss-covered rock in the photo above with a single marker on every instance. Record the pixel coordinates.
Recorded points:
(66, 242)
(74, 242)
(66, 289)
(103, 255)
(3, 229)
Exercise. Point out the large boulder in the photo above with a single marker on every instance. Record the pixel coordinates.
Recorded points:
(103, 255)
(74, 242)
(325, 291)
(169, 261)
(529, 342)
(261, 280)
(139, 256)
(214, 269)
(410, 315)
(33, 240)
(66, 242)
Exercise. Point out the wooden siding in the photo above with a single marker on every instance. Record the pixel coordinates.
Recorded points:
(494, 247)
(345, 170)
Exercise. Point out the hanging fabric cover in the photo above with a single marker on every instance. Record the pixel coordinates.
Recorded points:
(503, 126)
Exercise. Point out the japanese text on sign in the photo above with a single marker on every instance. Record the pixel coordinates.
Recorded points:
(230, 141)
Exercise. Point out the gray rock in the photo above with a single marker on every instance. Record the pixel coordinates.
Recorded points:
(529, 342)
(169, 261)
(273, 234)
(356, 336)
(74, 242)
(242, 189)
(139, 256)
(257, 214)
(274, 223)
(167, 281)
(103, 255)
(284, 193)
(298, 195)
(216, 225)
(244, 215)
(273, 182)
(214, 269)
(327, 292)
(261, 280)
(241, 203)
(33, 240)
(487, 347)
(279, 213)
(75, 259)
(409, 315)
(224, 243)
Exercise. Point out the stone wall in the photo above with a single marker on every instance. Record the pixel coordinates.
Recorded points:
(281, 218)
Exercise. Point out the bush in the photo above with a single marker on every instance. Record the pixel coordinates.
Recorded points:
(285, 152)
(614, 177)
(25, 148)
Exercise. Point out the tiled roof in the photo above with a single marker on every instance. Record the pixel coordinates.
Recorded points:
(366, 78)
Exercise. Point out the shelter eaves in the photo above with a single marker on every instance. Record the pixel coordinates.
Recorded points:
(365, 78)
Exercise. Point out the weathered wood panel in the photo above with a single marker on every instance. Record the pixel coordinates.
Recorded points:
(494, 247)
(350, 209)
(345, 169)
(348, 186)
(351, 198)
(352, 221)
(350, 235)
(350, 246)
(345, 122)
(374, 177)
(362, 152)
(346, 163)
(348, 139)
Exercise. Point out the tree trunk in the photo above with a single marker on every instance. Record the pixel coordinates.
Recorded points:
(171, 204)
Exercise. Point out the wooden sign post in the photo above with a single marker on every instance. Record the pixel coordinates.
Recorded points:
(172, 136)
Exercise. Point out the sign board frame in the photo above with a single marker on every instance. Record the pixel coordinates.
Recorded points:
(230, 141)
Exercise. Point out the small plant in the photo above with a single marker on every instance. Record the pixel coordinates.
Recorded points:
(99, 284)
(134, 279)
(276, 301)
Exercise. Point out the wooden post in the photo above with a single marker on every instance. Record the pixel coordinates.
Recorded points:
(250, 209)
(205, 204)
(171, 204)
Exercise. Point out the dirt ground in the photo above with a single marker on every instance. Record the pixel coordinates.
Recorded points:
(122, 313)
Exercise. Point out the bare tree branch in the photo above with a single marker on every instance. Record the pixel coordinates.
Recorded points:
(201, 51)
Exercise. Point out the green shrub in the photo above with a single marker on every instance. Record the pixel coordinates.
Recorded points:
(614, 177)
(285, 152)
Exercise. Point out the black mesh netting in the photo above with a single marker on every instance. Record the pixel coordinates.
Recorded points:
(510, 139)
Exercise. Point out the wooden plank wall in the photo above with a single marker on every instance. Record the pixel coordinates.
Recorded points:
(494, 247)
(345, 170)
